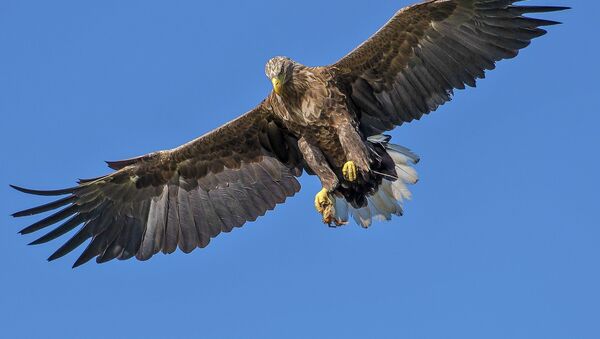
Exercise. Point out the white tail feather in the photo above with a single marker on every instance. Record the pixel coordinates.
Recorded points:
(387, 201)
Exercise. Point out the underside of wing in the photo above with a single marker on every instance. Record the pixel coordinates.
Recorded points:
(179, 198)
(413, 64)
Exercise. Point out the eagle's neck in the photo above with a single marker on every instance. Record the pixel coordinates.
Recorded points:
(303, 96)
(298, 84)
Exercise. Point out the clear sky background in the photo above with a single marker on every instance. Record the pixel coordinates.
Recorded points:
(501, 240)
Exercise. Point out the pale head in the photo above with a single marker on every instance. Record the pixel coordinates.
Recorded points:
(279, 71)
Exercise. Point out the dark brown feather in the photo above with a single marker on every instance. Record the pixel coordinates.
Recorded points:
(179, 198)
(413, 64)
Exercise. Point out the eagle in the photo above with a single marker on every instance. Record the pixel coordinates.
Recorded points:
(328, 121)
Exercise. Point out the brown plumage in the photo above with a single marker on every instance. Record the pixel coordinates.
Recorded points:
(324, 120)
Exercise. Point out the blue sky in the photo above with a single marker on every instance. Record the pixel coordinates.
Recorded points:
(500, 240)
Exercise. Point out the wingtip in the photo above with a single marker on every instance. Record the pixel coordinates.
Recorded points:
(42, 240)
(22, 213)
(25, 231)
(44, 192)
(556, 8)
(35, 242)
(541, 9)
(53, 257)
(76, 264)
(83, 258)
(17, 188)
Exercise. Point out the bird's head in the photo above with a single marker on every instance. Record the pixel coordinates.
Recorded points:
(279, 71)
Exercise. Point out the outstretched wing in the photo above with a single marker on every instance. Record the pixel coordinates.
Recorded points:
(177, 198)
(412, 65)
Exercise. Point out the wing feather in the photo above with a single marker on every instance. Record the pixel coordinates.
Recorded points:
(413, 64)
(179, 198)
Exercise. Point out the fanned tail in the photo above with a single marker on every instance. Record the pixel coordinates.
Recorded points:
(388, 199)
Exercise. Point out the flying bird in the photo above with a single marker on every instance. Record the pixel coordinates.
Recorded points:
(326, 121)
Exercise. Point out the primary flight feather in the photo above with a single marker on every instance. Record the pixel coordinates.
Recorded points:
(327, 121)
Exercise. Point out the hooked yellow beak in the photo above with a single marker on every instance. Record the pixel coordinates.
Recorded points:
(276, 85)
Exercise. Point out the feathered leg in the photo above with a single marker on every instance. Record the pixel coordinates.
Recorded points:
(318, 164)
(355, 151)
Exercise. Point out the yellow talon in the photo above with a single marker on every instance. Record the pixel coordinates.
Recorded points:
(322, 201)
(349, 171)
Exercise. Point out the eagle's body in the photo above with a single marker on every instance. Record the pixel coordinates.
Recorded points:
(318, 112)
(311, 108)
(328, 121)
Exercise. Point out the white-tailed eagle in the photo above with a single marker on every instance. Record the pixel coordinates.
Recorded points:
(327, 121)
